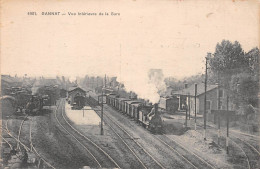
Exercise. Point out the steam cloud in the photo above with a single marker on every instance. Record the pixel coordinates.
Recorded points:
(148, 85)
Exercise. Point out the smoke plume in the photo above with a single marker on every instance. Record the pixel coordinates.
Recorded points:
(147, 85)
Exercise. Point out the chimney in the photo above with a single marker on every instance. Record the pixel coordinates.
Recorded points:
(185, 85)
(156, 108)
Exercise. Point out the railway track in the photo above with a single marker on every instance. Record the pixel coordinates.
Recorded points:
(101, 158)
(190, 157)
(251, 154)
(19, 142)
(137, 149)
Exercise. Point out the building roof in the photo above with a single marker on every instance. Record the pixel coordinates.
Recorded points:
(71, 89)
(9, 79)
(191, 90)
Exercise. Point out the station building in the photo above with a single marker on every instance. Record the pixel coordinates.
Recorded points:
(77, 95)
(186, 96)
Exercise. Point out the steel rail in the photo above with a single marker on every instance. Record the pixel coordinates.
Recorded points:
(247, 158)
(205, 162)
(19, 132)
(26, 147)
(90, 141)
(132, 139)
(76, 138)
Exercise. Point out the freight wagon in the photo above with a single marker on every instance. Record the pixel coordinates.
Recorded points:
(118, 103)
(135, 107)
(111, 99)
(128, 107)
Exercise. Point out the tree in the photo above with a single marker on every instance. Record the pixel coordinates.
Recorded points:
(229, 59)
(237, 71)
(253, 59)
(244, 89)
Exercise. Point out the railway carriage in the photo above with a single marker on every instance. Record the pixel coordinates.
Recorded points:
(134, 110)
(122, 104)
(113, 100)
(142, 115)
(119, 102)
(110, 99)
(128, 107)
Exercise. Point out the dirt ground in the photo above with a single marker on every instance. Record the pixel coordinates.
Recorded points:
(62, 151)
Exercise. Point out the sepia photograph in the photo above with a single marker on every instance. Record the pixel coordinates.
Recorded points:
(131, 84)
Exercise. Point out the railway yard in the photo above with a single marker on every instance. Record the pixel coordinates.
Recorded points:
(53, 140)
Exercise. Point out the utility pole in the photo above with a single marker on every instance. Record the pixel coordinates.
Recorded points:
(97, 81)
(186, 117)
(227, 114)
(105, 81)
(205, 98)
(218, 113)
(101, 129)
(189, 109)
(195, 106)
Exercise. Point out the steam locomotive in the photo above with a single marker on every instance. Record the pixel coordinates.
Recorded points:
(147, 115)
(35, 105)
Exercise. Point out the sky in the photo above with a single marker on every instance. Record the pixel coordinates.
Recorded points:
(171, 35)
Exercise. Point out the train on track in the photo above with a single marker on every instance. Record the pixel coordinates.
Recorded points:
(35, 105)
(145, 114)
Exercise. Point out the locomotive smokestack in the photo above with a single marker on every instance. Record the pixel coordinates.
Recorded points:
(156, 108)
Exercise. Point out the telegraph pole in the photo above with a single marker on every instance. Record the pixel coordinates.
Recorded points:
(195, 106)
(205, 98)
(189, 108)
(186, 117)
(105, 81)
(227, 114)
(101, 129)
(218, 113)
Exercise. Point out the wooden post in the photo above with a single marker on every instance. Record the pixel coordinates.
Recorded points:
(195, 106)
(189, 105)
(101, 130)
(189, 109)
(186, 117)
(227, 114)
(205, 97)
(218, 117)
